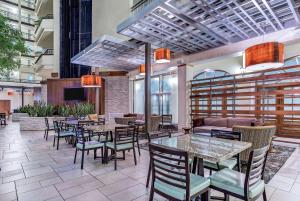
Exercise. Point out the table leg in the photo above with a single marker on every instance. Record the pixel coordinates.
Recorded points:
(198, 167)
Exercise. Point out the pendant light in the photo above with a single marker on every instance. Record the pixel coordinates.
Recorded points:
(142, 69)
(162, 55)
(92, 81)
(264, 56)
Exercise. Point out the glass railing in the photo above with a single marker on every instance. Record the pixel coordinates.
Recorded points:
(27, 3)
(15, 17)
(39, 21)
(2, 79)
(46, 52)
(28, 36)
(139, 4)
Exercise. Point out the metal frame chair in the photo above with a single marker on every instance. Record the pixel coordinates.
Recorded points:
(230, 163)
(48, 128)
(60, 133)
(124, 140)
(171, 175)
(83, 145)
(252, 187)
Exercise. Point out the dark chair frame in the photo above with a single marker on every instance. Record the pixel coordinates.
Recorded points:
(173, 161)
(255, 172)
(58, 129)
(80, 138)
(47, 128)
(228, 135)
(123, 135)
(3, 119)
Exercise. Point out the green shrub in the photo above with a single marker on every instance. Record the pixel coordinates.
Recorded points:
(42, 110)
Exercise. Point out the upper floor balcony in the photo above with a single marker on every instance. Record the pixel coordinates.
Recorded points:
(139, 4)
(44, 32)
(16, 18)
(25, 4)
(44, 61)
(43, 7)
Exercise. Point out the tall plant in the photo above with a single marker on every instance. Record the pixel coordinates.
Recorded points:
(12, 45)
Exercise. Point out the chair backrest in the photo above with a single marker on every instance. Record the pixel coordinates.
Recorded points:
(56, 125)
(259, 136)
(79, 130)
(255, 168)
(229, 135)
(170, 166)
(166, 118)
(47, 122)
(124, 135)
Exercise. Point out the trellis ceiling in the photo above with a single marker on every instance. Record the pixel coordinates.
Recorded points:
(190, 26)
(113, 53)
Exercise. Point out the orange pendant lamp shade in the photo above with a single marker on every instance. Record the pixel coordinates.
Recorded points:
(162, 55)
(264, 56)
(91, 81)
(142, 69)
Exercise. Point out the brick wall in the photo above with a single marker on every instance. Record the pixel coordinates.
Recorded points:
(116, 96)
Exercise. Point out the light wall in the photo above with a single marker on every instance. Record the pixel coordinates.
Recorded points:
(107, 15)
(16, 98)
(233, 64)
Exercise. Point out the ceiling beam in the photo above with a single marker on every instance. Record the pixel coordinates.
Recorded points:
(264, 14)
(295, 12)
(272, 13)
(198, 25)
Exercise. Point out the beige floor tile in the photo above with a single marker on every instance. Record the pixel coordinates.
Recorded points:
(7, 188)
(72, 174)
(111, 177)
(118, 186)
(8, 196)
(280, 195)
(39, 194)
(296, 188)
(28, 187)
(94, 195)
(129, 194)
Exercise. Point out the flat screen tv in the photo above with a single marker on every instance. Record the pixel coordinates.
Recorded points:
(73, 94)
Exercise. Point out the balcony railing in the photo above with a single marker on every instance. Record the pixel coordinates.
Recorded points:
(139, 4)
(47, 52)
(39, 22)
(28, 36)
(20, 80)
(24, 3)
(15, 17)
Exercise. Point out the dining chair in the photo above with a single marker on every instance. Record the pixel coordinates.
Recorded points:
(137, 134)
(229, 163)
(61, 133)
(48, 128)
(124, 140)
(171, 175)
(249, 186)
(83, 144)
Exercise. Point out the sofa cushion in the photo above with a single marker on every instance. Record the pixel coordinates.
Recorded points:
(240, 122)
(219, 122)
(207, 129)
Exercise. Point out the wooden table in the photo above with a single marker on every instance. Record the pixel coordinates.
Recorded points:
(204, 148)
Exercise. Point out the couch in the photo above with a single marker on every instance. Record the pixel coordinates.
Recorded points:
(259, 136)
(205, 125)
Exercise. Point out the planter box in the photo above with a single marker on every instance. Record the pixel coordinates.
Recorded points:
(16, 116)
(36, 123)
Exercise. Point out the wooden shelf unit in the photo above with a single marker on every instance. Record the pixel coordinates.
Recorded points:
(272, 95)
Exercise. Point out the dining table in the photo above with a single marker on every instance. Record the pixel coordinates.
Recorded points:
(202, 148)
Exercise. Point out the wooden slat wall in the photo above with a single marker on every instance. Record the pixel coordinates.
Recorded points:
(272, 96)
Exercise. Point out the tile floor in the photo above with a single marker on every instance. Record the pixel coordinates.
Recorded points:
(32, 170)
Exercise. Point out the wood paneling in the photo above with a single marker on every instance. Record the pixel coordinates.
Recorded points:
(272, 95)
(55, 92)
(5, 106)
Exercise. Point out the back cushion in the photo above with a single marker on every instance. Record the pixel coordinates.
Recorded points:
(240, 122)
(219, 122)
(93, 117)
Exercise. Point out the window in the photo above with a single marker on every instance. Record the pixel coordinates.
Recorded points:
(164, 95)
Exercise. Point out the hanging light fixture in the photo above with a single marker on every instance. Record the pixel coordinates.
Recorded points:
(142, 69)
(91, 81)
(264, 56)
(162, 55)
